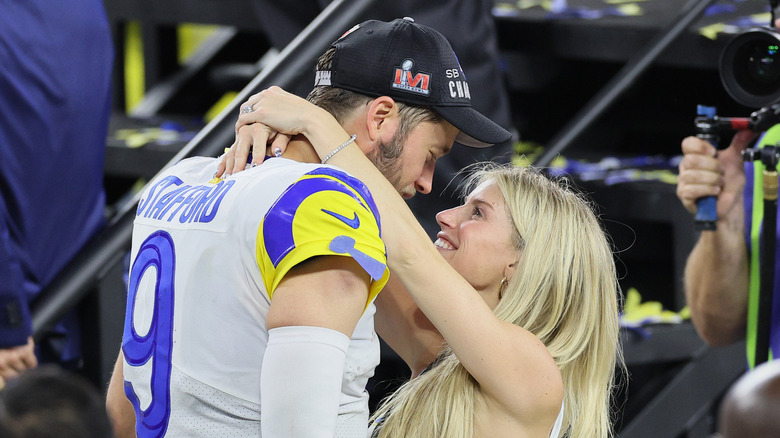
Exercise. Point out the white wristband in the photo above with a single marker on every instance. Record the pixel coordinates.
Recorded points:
(343, 145)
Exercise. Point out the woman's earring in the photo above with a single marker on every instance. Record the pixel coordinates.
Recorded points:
(501, 288)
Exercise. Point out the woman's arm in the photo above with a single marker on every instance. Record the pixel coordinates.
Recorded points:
(398, 320)
(510, 363)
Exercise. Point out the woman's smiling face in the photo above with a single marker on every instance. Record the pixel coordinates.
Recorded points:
(476, 238)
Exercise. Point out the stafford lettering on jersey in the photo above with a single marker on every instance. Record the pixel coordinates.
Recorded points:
(188, 203)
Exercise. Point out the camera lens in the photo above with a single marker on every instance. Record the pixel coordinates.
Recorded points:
(750, 67)
(759, 67)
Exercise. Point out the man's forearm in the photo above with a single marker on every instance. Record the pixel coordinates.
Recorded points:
(300, 383)
(119, 408)
(403, 326)
(716, 285)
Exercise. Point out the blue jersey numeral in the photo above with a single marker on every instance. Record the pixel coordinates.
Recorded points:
(157, 251)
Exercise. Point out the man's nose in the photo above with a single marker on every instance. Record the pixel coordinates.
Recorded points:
(425, 182)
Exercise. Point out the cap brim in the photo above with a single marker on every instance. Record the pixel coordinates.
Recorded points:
(476, 130)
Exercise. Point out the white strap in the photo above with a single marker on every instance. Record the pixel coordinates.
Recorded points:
(556, 430)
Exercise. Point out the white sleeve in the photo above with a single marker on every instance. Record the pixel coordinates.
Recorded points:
(300, 381)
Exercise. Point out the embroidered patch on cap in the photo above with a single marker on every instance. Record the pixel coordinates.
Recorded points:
(322, 78)
(403, 80)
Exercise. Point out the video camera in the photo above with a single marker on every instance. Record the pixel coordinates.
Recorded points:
(750, 65)
(749, 69)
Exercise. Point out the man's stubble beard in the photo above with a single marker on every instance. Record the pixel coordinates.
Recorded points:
(386, 159)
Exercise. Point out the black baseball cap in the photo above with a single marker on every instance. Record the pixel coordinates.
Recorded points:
(413, 64)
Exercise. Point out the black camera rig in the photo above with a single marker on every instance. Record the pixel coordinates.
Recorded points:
(749, 69)
(750, 65)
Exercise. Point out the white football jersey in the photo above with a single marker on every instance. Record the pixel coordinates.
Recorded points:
(206, 257)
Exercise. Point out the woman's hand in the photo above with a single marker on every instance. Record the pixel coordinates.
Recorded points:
(268, 118)
(235, 158)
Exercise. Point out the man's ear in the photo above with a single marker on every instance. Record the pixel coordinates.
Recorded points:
(382, 119)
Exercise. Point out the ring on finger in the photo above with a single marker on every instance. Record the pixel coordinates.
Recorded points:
(277, 152)
(247, 108)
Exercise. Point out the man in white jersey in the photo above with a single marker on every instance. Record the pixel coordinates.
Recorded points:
(250, 302)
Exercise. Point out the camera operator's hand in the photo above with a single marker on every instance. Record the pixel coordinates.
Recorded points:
(704, 171)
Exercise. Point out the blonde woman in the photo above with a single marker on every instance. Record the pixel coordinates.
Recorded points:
(520, 283)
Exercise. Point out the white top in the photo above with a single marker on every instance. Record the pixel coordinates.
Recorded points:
(556, 430)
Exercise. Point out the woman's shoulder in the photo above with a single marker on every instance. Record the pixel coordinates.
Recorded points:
(527, 384)
(492, 419)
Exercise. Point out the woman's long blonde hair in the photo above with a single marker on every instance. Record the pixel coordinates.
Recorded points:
(565, 291)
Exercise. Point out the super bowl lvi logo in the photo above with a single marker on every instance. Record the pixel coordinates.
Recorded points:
(416, 83)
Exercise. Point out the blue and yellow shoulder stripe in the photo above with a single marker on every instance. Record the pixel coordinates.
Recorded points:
(325, 212)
